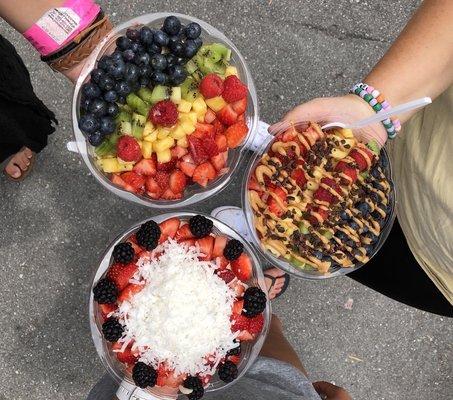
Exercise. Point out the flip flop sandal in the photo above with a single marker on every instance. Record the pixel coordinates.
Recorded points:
(273, 279)
(24, 174)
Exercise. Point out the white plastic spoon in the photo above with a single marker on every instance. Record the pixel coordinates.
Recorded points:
(402, 108)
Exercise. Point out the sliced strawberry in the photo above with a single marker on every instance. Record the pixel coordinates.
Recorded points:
(348, 170)
(227, 275)
(289, 135)
(178, 181)
(274, 207)
(239, 322)
(245, 336)
(238, 306)
(206, 245)
(116, 180)
(221, 142)
(323, 213)
(322, 194)
(145, 167)
(126, 356)
(197, 150)
(188, 242)
(188, 158)
(133, 179)
(222, 263)
(242, 267)
(166, 377)
(279, 192)
(235, 134)
(359, 159)
(106, 309)
(210, 147)
(299, 176)
(170, 195)
(129, 291)
(256, 324)
(209, 116)
(162, 179)
(332, 183)
(239, 288)
(187, 168)
(204, 173)
(178, 152)
(234, 359)
(204, 130)
(168, 166)
(233, 89)
(183, 233)
(135, 246)
(240, 106)
(254, 185)
(169, 228)
(219, 161)
(153, 189)
(218, 127)
(219, 244)
(227, 115)
(120, 274)
(211, 86)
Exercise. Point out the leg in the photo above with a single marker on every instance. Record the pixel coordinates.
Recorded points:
(277, 346)
(395, 273)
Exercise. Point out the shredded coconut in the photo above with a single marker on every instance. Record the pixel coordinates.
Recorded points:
(182, 315)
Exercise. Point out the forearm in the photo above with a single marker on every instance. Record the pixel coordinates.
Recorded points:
(420, 62)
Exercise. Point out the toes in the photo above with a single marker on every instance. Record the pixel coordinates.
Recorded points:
(28, 153)
(21, 160)
(13, 170)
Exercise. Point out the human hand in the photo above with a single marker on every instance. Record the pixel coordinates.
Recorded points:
(328, 391)
(347, 109)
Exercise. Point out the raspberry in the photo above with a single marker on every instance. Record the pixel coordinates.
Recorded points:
(256, 324)
(128, 149)
(164, 113)
(211, 86)
(233, 89)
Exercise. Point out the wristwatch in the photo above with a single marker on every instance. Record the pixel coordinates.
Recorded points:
(127, 391)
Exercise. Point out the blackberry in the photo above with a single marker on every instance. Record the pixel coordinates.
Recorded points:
(233, 249)
(228, 371)
(194, 383)
(200, 226)
(105, 291)
(148, 235)
(144, 375)
(123, 253)
(112, 330)
(254, 302)
(236, 351)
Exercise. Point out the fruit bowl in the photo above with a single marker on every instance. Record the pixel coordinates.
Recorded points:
(250, 348)
(225, 166)
(275, 216)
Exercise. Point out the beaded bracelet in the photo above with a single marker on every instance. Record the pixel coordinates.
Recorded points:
(378, 103)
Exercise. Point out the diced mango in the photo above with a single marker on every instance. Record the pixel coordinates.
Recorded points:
(178, 132)
(184, 106)
(148, 129)
(175, 96)
(347, 133)
(199, 106)
(164, 156)
(216, 103)
(188, 127)
(230, 70)
(147, 149)
(163, 133)
(183, 142)
(163, 144)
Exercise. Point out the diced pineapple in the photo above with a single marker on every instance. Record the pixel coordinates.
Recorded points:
(148, 129)
(163, 156)
(230, 70)
(163, 133)
(183, 142)
(124, 165)
(347, 133)
(338, 154)
(184, 106)
(152, 137)
(147, 149)
(109, 165)
(216, 103)
(188, 127)
(190, 118)
(178, 132)
(163, 144)
(175, 96)
(199, 106)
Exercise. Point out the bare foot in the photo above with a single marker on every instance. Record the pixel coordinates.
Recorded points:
(274, 287)
(19, 163)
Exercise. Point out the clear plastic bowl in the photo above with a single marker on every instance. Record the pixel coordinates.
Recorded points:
(117, 370)
(193, 193)
(280, 262)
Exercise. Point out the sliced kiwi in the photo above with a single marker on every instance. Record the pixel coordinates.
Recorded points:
(303, 228)
(191, 67)
(137, 104)
(123, 116)
(138, 124)
(106, 148)
(327, 234)
(189, 89)
(126, 128)
(374, 146)
(145, 94)
(159, 93)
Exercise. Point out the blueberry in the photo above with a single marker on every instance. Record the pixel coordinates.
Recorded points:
(171, 59)
(172, 40)
(344, 216)
(104, 62)
(137, 48)
(142, 59)
(177, 74)
(90, 90)
(112, 109)
(85, 103)
(365, 229)
(122, 88)
(154, 49)
(96, 74)
(375, 172)
(177, 49)
(192, 30)
(133, 34)
(110, 96)
(123, 43)
(144, 81)
(172, 25)
(117, 55)
(88, 123)
(364, 208)
(161, 38)
(146, 35)
(98, 107)
(350, 243)
(377, 185)
(131, 73)
(117, 69)
(354, 225)
(326, 258)
(159, 78)
(134, 86)
(198, 42)
(383, 161)
(341, 235)
(369, 249)
(180, 61)
(128, 55)
(190, 49)
(95, 138)
(374, 197)
(318, 254)
(107, 125)
(121, 100)
(158, 62)
(106, 83)
(372, 237)
(144, 70)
